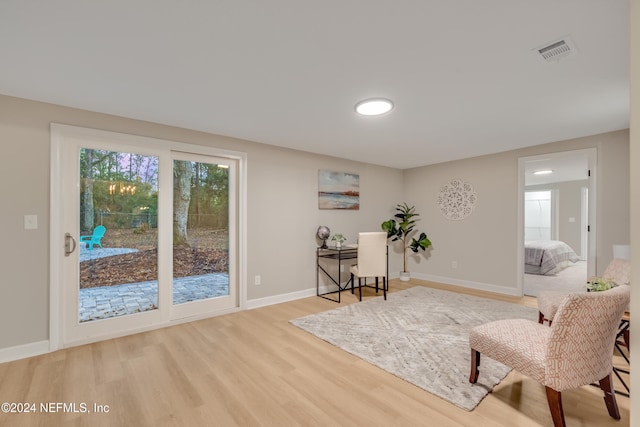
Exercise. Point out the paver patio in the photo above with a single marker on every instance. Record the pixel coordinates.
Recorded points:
(111, 301)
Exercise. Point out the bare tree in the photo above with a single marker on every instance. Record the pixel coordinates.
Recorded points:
(182, 174)
(88, 211)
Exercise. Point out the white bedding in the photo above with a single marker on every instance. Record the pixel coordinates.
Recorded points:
(547, 256)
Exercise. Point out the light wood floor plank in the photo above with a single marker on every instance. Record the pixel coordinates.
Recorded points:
(254, 368)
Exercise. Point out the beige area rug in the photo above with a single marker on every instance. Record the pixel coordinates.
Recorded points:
(420, 335)
(571, 279)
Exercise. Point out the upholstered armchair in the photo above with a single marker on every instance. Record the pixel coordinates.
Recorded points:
(618, 270)
(575, 350)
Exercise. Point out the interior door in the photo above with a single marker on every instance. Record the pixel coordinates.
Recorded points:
(149, 234)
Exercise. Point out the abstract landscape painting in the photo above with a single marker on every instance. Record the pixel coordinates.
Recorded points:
(338, 190)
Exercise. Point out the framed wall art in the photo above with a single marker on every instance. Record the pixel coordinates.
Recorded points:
(338, 190)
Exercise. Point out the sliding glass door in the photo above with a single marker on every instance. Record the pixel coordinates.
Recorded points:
(150, 233)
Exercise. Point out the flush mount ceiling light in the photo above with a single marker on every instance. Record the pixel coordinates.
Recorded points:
(373, 107)
(544, 172)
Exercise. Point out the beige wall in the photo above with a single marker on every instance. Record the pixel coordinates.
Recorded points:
(24, 183)
(282, 206)
(283, 214)
(484, 245)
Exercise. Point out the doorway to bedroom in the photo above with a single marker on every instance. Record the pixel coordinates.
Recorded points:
(557, 213)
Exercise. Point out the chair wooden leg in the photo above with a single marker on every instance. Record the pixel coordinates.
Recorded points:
(384, 287)
(352, 278)
(610, 397)
(554, 398)
(541, 319)
(625, 337)
(360, 287)
(475, 364)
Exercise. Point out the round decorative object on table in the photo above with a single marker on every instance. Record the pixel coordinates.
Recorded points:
(323, 234)
(457, 199)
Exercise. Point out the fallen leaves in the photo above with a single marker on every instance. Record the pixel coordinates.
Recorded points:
(142, 266)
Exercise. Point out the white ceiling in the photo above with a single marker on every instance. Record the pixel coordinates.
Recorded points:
(463, 75)
(565, 166)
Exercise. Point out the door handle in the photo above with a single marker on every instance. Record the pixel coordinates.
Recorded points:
(68, 240)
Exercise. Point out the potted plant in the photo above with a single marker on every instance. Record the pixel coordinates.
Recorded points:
(338, 238)
(598, 284)
(402, 227)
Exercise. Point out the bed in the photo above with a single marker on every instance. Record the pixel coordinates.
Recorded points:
(547, 256)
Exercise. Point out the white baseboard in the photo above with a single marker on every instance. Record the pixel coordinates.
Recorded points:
(23, 351)
(470, 284)
(277, 299)
(148, 327)
(42, 347)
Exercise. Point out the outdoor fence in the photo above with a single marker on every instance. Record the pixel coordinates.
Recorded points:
(121, 220)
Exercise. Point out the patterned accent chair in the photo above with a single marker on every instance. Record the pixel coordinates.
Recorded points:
(576, 350)
(618, 270)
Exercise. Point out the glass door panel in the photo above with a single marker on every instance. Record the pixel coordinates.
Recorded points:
(200, 231)
(118, 243)
(112, 222)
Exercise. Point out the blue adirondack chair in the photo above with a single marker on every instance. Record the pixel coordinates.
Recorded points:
(95, 238)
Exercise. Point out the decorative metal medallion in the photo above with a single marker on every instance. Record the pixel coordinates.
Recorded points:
(457, 199)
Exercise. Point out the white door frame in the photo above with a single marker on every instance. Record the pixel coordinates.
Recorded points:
(592, 155)
(179, 311)
(61, 134)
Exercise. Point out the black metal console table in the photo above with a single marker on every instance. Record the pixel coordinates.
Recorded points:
(346, 255)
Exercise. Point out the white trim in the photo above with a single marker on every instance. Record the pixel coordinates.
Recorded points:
(24, 350)
(212, 305)
(469, 284)
(148, 327)
(277, 299)
(592, 213)
(520, 232)
(592, 155)
(584, 221)
(149, 320)
(55, 225)
(242, 231)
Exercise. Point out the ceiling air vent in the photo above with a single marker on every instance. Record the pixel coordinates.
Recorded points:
(557, 50)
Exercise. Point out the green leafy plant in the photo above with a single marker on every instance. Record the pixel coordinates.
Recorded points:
(597, 284)
(338, 238)
(402, 227)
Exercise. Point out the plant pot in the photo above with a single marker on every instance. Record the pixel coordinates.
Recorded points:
(405, 276)
(338, 244)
